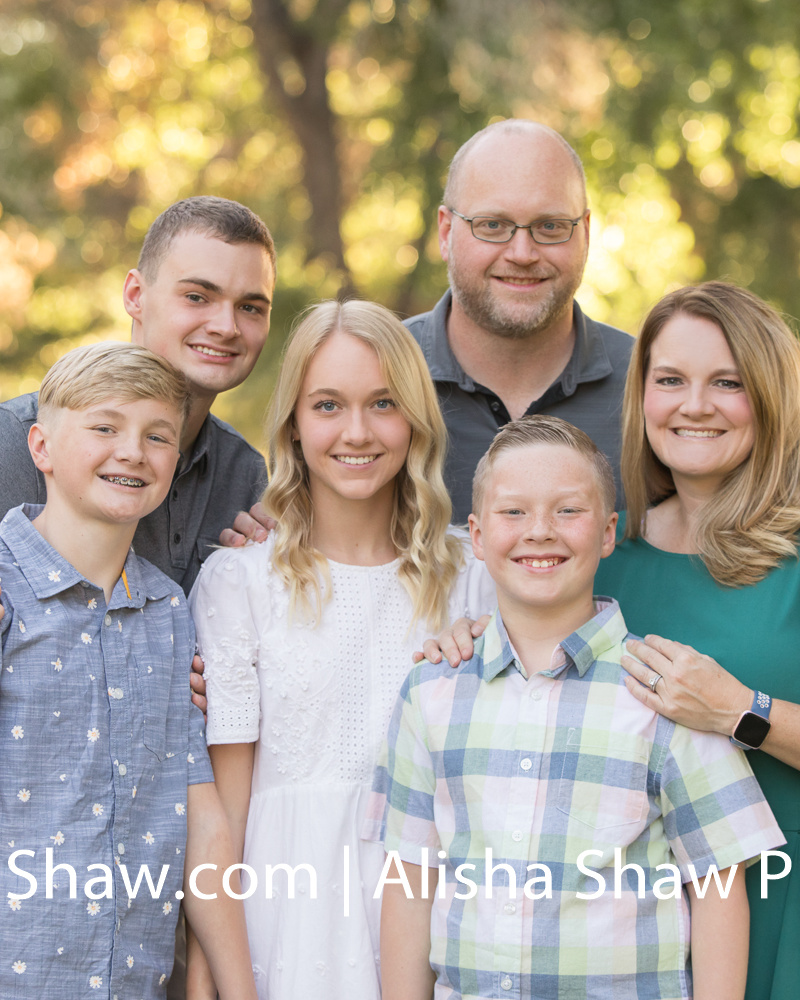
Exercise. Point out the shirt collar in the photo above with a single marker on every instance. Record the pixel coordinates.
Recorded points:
(602, 632)
(588, 362)
(200, 449)
(48, 573)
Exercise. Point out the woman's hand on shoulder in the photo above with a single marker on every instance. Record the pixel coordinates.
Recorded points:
(455, 643)
(694, 689)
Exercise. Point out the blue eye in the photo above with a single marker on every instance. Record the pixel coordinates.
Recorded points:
(385, 404)
(326, 406)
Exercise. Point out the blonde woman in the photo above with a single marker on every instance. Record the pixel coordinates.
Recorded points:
(708, 559)
(308, 636)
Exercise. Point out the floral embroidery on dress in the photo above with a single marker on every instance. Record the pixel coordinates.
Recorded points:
(86, 639)
(95, 982)
(17, 732)
(15, 904)
(174, 601)
(97, 809)
(92, 907)
(180, 808)
(54, 576)
(57, 664)
(129, 961)
(148, 838)
(58, 839)
(19, 967)
(22, 629)
(93, 734)
(91, 604)
(24, 795)
(166, 909)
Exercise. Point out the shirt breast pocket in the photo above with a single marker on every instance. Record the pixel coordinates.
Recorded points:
(165, 699)
(603, 784)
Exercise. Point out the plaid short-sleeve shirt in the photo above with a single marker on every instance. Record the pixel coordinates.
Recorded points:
(539, 770)
(99, 742)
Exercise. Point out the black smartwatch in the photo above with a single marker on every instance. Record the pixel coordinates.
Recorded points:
(752, 728)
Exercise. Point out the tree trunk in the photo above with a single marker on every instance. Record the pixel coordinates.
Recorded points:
(276, 36)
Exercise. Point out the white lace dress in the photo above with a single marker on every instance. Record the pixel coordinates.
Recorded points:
(318, 701)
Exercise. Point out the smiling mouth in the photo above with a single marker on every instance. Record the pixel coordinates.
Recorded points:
(124, 481)
(211, 352)
(355, 459)
(547, 563)
(688, 433)
(533, 279)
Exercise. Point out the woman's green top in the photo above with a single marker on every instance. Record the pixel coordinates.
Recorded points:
(753, 632)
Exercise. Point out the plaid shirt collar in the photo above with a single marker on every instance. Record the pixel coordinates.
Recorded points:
(48, 572)
(580, 649)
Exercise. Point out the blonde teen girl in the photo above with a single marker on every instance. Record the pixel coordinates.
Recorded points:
(307, 637)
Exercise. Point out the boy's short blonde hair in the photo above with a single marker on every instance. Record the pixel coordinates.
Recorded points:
(88, 375)
(542, 429)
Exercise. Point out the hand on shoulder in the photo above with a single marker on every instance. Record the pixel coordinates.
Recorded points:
(248, 526)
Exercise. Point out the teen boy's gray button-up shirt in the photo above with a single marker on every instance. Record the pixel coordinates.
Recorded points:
(588, 394)
(220, 477)
(99, 743)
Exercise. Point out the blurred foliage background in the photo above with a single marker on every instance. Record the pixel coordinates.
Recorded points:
(335, 120)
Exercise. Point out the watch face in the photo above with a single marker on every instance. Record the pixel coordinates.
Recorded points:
(752, 730)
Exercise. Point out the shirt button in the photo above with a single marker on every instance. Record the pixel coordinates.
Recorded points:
(506, 983)
(510, 908)
(107, 619)
(120, 848)
(536, 695)
(517, 835)
(525, 764)
(84, 584)
(123, 771)
(494, 406)
(174, 494)
(176, 537)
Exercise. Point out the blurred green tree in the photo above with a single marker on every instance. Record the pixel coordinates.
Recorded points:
(335, 120)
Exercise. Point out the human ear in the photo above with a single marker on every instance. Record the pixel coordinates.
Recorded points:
(476, 536)
(445, 224)
(38, 446)
(609, 536)
(132, 294)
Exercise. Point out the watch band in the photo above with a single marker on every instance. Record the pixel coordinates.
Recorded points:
(749, 733)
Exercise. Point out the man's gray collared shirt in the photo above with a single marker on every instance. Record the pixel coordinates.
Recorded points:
(221, 476)
(588, 394)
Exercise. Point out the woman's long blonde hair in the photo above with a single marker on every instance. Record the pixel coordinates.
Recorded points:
(751, 523)
(430, 557)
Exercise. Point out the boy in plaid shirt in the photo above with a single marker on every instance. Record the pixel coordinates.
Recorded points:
(569, 827)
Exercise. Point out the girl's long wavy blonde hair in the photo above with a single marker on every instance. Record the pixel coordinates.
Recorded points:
(430, 557)
(751, 523)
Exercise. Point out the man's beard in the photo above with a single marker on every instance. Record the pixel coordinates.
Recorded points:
(502, 319)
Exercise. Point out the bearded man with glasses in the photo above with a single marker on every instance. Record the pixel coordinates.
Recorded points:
(508, 339)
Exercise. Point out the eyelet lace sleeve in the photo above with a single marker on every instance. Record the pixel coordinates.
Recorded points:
(228, 639)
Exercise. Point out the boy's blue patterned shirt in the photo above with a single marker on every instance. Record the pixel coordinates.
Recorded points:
(99, 742)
